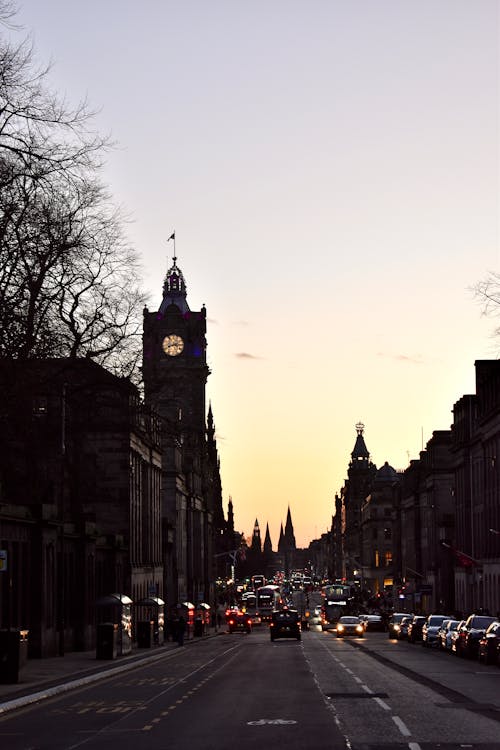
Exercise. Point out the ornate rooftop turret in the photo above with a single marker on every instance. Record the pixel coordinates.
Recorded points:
(289, 533)
(174, 289)
(360, 456)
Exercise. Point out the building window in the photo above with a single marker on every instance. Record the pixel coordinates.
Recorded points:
(377, 559)
(387, 533)
(374, 532)
(388, 559)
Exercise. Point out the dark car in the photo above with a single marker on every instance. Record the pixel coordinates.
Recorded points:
(474, 629)
(489, 645)
(349, 625)
(239, 621)
(394, 623)
(373, 622)
(402, 633)
(285, 623)
(446, 633)
(456, 638)
(430, 631)
(415, 629)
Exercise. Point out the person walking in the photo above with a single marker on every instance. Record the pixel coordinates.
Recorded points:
(181, 629)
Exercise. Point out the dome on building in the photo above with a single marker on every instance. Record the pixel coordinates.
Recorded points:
(386, 475)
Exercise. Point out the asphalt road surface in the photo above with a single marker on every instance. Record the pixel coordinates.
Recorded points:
(242, 691)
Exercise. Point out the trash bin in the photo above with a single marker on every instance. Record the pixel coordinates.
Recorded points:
(107, 640)
(198, 627)
(145, 633)
(13, 654)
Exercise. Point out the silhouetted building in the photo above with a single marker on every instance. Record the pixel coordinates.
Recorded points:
(80, 472)
(175, 372)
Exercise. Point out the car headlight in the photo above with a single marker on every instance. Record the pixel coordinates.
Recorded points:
(340, 628)
(359, 628)
(396, 627)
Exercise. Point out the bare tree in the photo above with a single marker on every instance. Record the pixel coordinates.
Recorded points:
(68, 279)
(487, 293)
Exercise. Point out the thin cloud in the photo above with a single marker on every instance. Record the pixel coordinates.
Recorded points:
(417, 360)
(241, 323)
(246, 355)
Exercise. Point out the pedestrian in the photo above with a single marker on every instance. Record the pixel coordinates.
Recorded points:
(181, 629)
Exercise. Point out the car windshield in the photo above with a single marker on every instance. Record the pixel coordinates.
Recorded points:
(349, 620)
(435, 620)
(481, 622)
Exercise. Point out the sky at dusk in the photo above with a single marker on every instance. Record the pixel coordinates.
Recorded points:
(331, 172)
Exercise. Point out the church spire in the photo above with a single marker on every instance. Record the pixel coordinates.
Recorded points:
(256, 542)
(289, 533)
(268, 547)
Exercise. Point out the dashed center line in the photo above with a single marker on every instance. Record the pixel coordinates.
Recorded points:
(401, 726)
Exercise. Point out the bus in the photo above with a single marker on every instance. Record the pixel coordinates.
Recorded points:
(257, 581)
(337, 600)
(249, 605)
(268, 599)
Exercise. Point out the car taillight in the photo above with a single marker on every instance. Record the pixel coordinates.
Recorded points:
(231, 622)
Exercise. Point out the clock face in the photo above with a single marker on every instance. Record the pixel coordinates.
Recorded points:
(172, 345)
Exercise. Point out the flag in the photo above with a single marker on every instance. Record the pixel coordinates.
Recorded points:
(172, 237)
(462, 558)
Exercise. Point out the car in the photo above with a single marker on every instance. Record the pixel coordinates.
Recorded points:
(285, 623)
(350, 625)
(489, 645)
(402, 633)
(445, 633)
(431, 627)
(455, 638)
(373, 622)
(415, 629)
(394, 623)
(472, 632)
(237, 621)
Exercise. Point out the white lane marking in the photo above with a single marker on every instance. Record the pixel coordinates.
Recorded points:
(414, 746)
(365, 687)
(401, 726)
(382, 704)
(357, 679)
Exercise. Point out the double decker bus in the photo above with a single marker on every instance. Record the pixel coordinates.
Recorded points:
(249, 605)
(257, 581)
(337, 600)
(268, 599)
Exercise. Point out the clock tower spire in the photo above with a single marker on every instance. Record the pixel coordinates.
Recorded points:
(175, 372)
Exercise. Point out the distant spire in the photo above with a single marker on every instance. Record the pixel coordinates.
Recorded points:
(268, 547)
(256, 541)
(281, 539)
(289, 533)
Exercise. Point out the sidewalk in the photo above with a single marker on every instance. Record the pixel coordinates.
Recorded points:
(43, 678)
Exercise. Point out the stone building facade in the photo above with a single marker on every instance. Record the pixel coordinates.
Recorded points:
(80, 472)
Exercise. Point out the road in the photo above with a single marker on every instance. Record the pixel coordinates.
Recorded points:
(242, 691)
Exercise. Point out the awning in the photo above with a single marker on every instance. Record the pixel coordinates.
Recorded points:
(188, 605)
(114, 599)
(204, 605)
(150, 601)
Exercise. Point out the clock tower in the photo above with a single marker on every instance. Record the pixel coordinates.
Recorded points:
(175, 373)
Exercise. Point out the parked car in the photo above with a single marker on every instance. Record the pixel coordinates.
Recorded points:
(402, 633)
(445, 633)
(431, 627)
(456, 640)
(474, 629)
(415, 628)
(489, 645)
(285, 623)
(348, 625)
(394, 623)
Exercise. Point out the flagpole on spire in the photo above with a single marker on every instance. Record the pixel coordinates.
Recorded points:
(172, 237)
